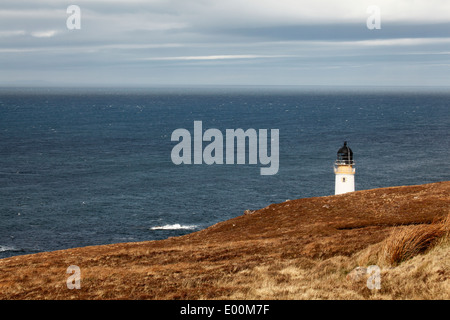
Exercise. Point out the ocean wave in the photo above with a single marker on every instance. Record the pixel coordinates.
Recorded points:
(175, 226)
(7, 248)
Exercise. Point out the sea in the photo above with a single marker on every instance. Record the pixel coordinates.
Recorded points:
(92, 166)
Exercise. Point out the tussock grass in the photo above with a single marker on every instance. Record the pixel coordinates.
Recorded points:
(406, 243)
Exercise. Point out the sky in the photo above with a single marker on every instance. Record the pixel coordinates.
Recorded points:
(225, 42)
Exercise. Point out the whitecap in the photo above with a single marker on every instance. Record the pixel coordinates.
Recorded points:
(175, 226)
(7, 248)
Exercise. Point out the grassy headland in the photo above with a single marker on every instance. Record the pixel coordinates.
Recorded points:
(299, 249)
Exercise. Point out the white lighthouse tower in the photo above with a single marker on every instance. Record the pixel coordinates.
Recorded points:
(344, 171)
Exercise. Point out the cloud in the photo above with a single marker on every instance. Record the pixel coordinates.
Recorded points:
(44, 34)
(394, 42)
(257, 41)
(258, 13)
(12, 33)
(404, 42)
(215, 57)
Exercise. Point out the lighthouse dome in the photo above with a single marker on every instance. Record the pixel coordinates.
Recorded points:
(345, 154)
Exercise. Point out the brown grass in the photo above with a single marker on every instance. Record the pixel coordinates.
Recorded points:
(299, 249)
(406, 243)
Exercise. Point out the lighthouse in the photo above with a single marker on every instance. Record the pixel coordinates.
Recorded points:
(344, 171)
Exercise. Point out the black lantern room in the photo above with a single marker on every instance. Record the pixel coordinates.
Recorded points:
(345, 155)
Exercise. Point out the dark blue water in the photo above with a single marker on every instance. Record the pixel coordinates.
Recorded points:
(83, 167)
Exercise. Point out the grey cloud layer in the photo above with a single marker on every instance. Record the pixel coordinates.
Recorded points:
(225, 42)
